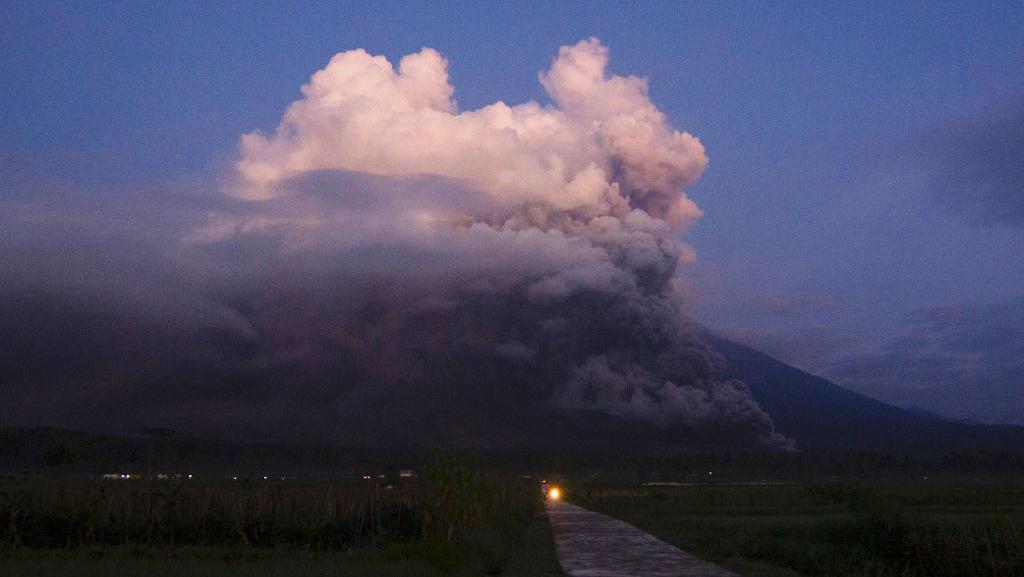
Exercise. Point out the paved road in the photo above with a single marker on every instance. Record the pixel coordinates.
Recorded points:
(590, 544)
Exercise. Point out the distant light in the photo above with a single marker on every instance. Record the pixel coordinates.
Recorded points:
(190, 475)
(235, 478)
(264, 477)
(709, 472)
(554, 493)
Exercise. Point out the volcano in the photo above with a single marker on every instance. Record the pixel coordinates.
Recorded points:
(821, 415)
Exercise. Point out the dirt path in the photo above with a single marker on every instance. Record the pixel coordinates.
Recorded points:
(594, 545)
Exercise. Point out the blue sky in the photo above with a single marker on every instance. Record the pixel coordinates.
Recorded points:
(836, 234)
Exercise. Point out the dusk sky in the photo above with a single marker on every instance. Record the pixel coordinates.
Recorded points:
(861, 211)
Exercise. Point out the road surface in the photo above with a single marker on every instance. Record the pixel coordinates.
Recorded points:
(590, 544)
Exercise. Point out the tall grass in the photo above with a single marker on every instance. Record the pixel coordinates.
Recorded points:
(452, 498)
(457, 494)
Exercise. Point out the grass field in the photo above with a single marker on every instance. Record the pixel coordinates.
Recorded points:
(524, 554)
(454, 520)
(458, 519)
(884, 528)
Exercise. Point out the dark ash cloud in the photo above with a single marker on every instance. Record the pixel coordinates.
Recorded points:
(229, 318)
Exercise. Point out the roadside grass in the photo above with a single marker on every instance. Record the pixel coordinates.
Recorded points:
(889, 529)
(534, 555)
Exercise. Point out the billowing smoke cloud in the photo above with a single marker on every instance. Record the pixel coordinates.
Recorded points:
(387, 268)
(602, 150)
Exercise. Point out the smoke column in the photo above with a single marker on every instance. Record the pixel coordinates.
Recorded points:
(561, 253)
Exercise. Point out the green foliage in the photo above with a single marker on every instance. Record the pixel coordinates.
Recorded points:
(487, 514)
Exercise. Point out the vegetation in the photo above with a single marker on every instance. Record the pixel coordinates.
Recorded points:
(858, 528)
(455, 519)
(891, 514)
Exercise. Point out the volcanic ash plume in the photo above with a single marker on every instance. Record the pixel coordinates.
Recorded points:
(385, 268)
(531, 245)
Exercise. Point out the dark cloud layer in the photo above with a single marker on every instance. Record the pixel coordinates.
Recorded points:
(965, 360)
(961, 360)
(979, 164)
(117, 317)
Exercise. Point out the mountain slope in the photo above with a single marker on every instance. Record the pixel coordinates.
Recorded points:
(821, 415)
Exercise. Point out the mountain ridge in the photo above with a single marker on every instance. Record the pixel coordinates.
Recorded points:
(821, 415)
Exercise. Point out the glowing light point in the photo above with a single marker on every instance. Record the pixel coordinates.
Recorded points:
(554, 494)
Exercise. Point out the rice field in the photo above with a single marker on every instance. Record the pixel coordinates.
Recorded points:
(832, 529)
